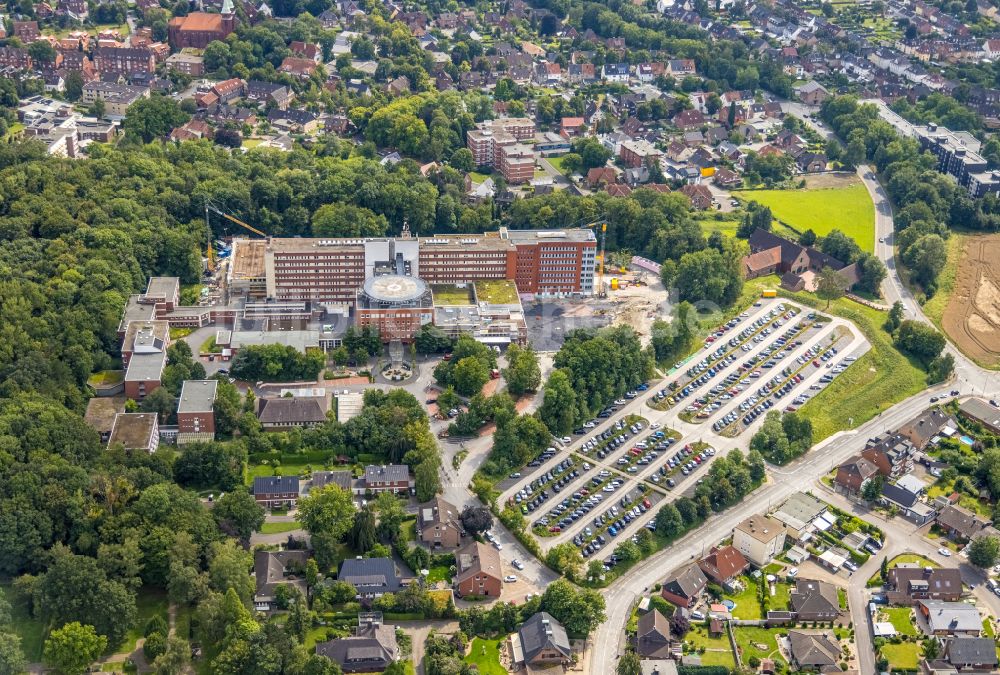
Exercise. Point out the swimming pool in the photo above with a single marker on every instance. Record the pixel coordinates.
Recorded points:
(966, 440)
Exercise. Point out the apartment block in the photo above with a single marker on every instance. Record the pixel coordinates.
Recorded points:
(516, 163)
(196, 411)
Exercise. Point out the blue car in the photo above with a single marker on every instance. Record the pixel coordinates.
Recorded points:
(613, 532)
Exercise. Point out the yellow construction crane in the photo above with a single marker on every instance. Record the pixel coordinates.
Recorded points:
(209, 251)
(601, 292)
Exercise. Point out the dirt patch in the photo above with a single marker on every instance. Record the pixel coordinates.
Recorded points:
(820, 181)
(972, 317)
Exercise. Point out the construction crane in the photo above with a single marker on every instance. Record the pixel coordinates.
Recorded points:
(601, 291)
(209, 251)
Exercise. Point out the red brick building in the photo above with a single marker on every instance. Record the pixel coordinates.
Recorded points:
(196, 411)
(125, 60)
(516, 163)
(478, 571)
(197, 29)
(394, 478)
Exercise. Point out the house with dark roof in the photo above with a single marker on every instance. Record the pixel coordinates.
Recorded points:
(814, 600)
(797, 260)
(853, 474)
(276, 491)
(813, 650)
(394, 478)
(540, 641)
(438, 524)
(928, 424)
(700, 196)
(907, 501)
(960, 524)
(975, 654)
(683, 587)
(950, 618)
(724, 564)
(981, 412)
(342, 479)
(372, 577)
(371, 649)
(478, 571)
(275, 568)
(285, 413)
(909, 583)
(652, 639)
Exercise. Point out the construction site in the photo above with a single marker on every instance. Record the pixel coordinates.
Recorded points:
(972, 316)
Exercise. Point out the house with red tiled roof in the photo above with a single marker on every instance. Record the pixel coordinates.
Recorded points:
(601, 175)
(700, 196)
(724, 564)
(299, 67)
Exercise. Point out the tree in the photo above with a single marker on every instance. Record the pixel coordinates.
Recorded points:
(940, 368)
(565, 558)
(238, 512)
(362, 536)
(72, 648)
(174, 659)
(578, 611)
(347, 220)
(855, 153)
(895, 317)
(919, 339)
(328, 509)
(679, 625)
(426, 479)
(629, 664)
(229, 569)
(884, 568)
(42, 51)
(522, 372)
(668, 521)
(871, 490)
(476, 519)
(12, 658)
(558, 409)
(840, 246)
(470, 375)
(390, 516)
(74, 85)
(830, 285)
(161, 402)
(98, 108)
(153, 117)
(926, 258)
(984, 551)
(591, 151)
(462, 160)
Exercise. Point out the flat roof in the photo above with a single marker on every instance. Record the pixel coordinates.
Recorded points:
(152, 329)
(300, 339)
(146, 367)
(761, 528)
(247, 260)
(979, 409)
(395, 288)
(197, 396)
(165, 286)
(136, 311)
(133, 430)
(535, 236)
(349, 405)
(102, 410)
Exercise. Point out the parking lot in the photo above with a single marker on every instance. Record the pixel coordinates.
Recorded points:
(601, 485)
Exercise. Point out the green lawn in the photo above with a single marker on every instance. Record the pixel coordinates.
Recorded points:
(912, 558)
(439, 573)
(717, 649)
(287, 468)
(210, 347)
(848, 209)
(748, 639)
(279, 527)
(178, 332)
(904, 656)
(31, 631)
(940, 489)
(250, 143)
(477, 177)
(747, 605)
(496, 292)
(876, 381)
(106, 377)
(14, 129)
(900, 618)
(485, 655)
(92, 30)
(150, 602)
(729, 227)
(450, 294)
(557, 163)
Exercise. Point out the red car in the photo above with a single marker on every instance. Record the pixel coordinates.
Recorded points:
(555, 528)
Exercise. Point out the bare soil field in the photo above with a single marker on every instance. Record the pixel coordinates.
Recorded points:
(972, 317)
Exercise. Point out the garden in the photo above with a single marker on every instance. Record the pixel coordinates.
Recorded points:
(756, 642)
(713, 650)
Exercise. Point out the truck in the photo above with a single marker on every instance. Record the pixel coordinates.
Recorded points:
(769, 293)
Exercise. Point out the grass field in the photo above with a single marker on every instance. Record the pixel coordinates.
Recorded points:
(848, 209)
(439, 573)
(477, 177)
(873, 384)
(729, 227)
(557, 164)
(717, 649)
(496, 292)
(934, 308)
(748, 639)
(106, 377)
(747, 605)
(450, 294)
(940, 489)
(31, 631)
(904, 656)
(287, 468)
(279, 527)
(900, 619)
(251, 143)
(485, 656)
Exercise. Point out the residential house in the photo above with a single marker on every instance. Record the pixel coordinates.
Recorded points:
(298, 67)
(196, 411)
(573, 126)
(135, 432)
(979, 411)
(276, 491)
(892, 454)
(478, 571)
(371, 649)
(307, 50)
(285, 413)
(540, 641)
(373, 577)
(811, 162)
(759, 538)
(700, 196)
(227, 90)
(683, 587)
(909, 583)
(394, 478)
(652, 639)
(295, 120)
(264, 93)
(276, 568)
(725, 178)
(812, 93)
(723, 565)
(601, 175)
(26, 31)
(970, 654)
(798, 512)
(615, 72)
(689, 119)
(960, 524)
(439, 525)
(637, 153)
(853, 474)
(799, 263)
(930, 423)
(950, 618)
(907, 502)
(399, 86)
(813, 650)
(188, 64)
(342, 479)
(814, 600)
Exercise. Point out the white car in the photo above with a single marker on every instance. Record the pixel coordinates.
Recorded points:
(654, 425)
(517, 564)
(945, 552)
(510, 578)
(497, 545)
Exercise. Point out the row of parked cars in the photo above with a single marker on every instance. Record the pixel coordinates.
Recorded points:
(611, 439)
(580, 503)
(616, 519)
